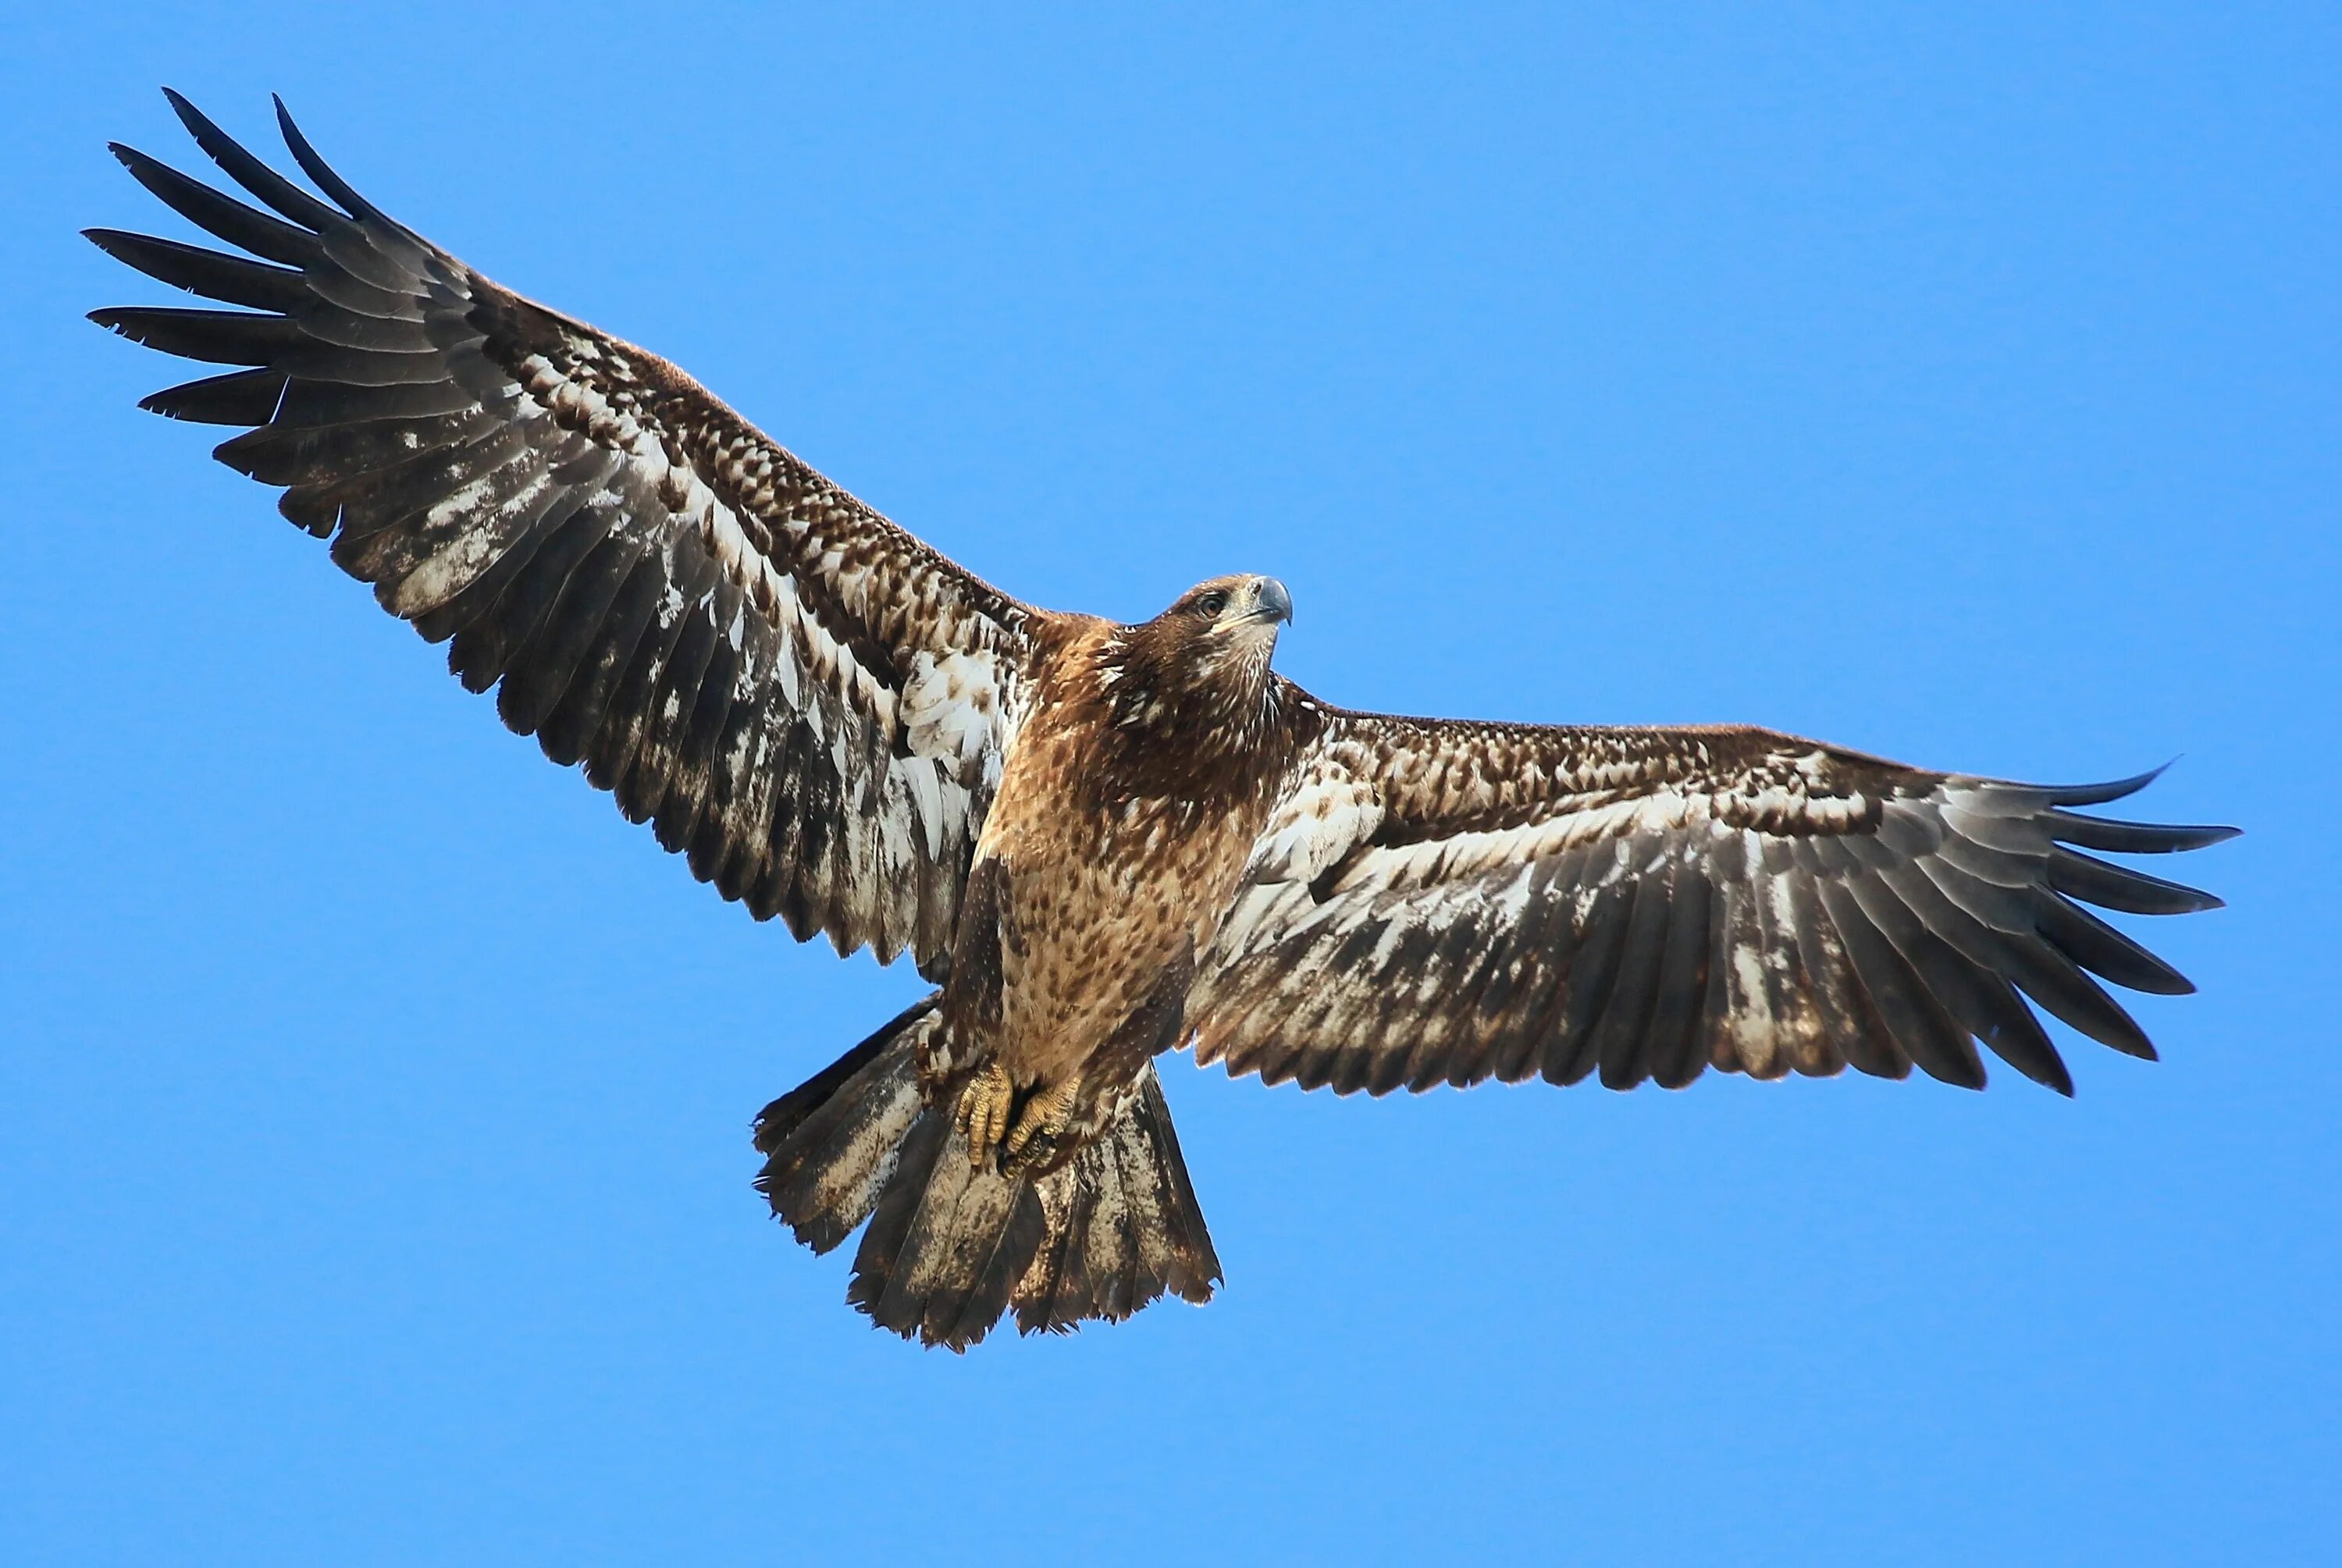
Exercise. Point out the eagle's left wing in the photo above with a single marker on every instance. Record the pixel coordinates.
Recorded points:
(805, 700)
(1440, 902)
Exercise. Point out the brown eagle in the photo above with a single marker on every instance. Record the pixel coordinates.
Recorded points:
(1098, 842)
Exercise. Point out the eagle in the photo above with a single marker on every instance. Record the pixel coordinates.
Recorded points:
(1098, 843)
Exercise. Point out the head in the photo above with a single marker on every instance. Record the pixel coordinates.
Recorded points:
(1230, 619)
(1202, 666)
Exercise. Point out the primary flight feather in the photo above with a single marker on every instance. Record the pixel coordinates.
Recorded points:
(1099, 842)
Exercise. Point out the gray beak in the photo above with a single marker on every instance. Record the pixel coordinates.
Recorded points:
(1272, 603)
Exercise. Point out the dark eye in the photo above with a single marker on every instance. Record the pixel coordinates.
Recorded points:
(1213, 602)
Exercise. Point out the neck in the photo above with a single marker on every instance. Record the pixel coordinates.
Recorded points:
(1193, 716)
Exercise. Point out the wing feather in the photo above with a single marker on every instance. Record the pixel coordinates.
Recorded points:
(721, 637)
(1511, 900)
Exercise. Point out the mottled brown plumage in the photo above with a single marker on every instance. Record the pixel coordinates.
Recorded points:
(1099, 842)
(1148, 763)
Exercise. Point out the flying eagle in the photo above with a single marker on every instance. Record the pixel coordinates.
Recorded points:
(1097, 842)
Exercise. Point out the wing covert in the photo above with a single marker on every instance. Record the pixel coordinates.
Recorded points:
(803, 699)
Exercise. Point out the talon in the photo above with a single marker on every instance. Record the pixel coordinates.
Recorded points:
(1045, 1118)
(983, 1113)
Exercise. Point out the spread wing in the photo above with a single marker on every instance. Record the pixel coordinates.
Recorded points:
(802, 698)
(1442, 903)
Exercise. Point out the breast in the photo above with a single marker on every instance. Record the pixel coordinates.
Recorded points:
(1103, 890)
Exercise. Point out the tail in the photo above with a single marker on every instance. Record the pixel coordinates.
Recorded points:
(951, 1248)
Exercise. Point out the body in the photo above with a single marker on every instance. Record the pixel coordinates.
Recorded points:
(1149, 759)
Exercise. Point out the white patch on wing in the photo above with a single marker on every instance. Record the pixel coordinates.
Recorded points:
(950, 712)
(1395, 925)
(1513, 901)
(1464, 854)
(1780, 897)
(1752, 1011)
(457, 565)
(927, 801)
(1314, 827)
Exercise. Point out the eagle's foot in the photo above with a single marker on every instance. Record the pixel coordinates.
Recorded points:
(1034, 1141)
(984, 1111)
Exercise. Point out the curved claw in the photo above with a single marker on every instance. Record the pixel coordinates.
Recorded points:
(1032, 1142)
(983, 1110)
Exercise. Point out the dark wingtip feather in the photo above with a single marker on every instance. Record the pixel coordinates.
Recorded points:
(2133, 837)
(2122, 837)
(189, 116)
(249, 172)
(208, 274)
(2104, 951)
(315, 168)
(199, 125)
(2099, 794)
(246, 227)
(2029, 1051)
(2094, 881)
(244, 398)
(213, 337)
(2059, 987)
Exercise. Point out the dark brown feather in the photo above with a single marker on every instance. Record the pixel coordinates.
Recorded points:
(1784, 907)
(590, 529)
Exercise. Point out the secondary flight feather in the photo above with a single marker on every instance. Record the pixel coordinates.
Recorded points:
(1099, 842)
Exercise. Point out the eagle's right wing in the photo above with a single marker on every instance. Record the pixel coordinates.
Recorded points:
(800, 696)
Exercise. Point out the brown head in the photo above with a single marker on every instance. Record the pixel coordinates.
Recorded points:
(1198, 673)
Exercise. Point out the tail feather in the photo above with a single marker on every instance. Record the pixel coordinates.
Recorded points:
(1060, 1289)
(1013, 1249)
(951, 1248)
(960, 1214)
(1155, 1176)
(890, 1225)
(1110, 1243)
(834, 1141)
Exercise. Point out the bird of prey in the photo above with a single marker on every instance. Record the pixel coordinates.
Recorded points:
(1097, 842)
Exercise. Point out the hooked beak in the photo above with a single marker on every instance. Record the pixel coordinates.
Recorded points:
(1271, 603)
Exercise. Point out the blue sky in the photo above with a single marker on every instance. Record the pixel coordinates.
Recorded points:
(1959, 386)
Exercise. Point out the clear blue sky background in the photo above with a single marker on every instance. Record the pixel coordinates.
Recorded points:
(373, 1163)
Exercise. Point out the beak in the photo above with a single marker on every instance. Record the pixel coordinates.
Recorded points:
(1271, 602)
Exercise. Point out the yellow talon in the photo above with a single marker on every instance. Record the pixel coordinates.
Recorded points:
(1046, 1115)
(983, 1107)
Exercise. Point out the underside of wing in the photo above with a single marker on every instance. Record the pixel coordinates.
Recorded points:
(805, 701)
(1449, 903)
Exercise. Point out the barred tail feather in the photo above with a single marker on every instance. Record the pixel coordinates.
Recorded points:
(951, 1248)
(1123, 1226)
(833, 1142)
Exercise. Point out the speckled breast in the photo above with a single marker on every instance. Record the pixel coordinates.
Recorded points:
(1105, 888)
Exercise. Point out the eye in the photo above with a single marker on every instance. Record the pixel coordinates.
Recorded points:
(1213, 602)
